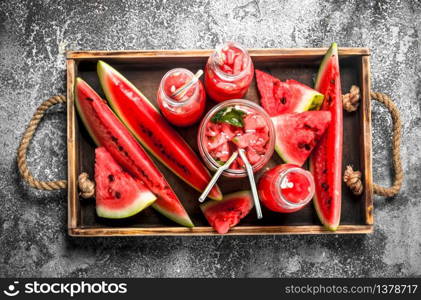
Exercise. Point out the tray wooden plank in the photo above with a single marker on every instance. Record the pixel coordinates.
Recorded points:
(146, 68)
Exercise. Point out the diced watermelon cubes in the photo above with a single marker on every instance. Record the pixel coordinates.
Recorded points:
(223, 139)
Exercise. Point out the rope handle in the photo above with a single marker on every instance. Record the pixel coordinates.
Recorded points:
(353, 178)
(86, 186)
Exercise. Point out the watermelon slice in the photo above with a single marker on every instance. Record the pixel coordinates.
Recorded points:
(279, 97)
(107, 131)
(118, 195)
(298, 133)
(225, 214)
(326, 159)
(152, 130)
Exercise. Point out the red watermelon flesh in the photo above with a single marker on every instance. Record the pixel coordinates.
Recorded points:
(326, 159)
(151, 129)
(298, 133)
(225, 214)
(107, 131)
(279, 97)
(118, 194)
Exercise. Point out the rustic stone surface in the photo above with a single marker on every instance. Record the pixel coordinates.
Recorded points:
(34, 36)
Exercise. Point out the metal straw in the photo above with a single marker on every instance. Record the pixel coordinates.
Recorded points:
(216, 176)
(252, 184)
(182, 90)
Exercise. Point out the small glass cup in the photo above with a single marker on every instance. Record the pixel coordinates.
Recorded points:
(221, 85)
(187, 110)
(250, 106)
(272, 183)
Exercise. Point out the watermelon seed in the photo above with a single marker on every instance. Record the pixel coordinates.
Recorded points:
(325, 171)
(111, 178)
(89, 99)
(114, 139)
(332, 81)
(328, 99)
(328, 201)
(117, 195)
(283, 100)
(305, 146)
(325, 186)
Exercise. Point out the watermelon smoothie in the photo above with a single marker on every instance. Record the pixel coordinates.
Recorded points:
(286, 188)
(233, 125)
(186, 109)
(228, 73)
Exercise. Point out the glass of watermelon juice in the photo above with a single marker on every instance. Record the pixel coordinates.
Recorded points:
(187, 109)
(228, 72)
(286, 188)
(233, 125)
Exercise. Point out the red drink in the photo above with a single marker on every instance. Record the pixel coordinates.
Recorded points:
(228, 73)
(184, 110)
(286, 188)
(234, 125)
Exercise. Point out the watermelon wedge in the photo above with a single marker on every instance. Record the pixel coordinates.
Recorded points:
(279, 97)
(326, 159)
(225, 214)
(107, 131)
(118, 194)
(298, 133)
(152, 130)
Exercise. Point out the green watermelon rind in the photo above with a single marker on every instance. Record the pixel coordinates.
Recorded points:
(333, 50)
(102, 69)
(141, 202)
(315, 100)
(182, 220)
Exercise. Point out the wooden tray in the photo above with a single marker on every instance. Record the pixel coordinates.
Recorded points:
(146, 68)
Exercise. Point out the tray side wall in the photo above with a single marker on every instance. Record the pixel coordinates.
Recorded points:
(72, 190)
(366, 146)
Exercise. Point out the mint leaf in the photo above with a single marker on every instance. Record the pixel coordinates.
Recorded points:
(218, 116)
(220, 162)
(229, 115)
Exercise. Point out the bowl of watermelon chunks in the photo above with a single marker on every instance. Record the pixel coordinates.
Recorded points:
(233, 125)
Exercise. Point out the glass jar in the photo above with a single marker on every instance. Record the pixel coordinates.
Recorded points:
(228, 72)
(286, 188)
(217, 140)
(187, 109)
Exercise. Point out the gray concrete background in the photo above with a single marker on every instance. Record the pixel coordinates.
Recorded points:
(34, 36)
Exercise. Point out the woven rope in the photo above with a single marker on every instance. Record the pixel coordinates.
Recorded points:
(353, 178)
(87, 189)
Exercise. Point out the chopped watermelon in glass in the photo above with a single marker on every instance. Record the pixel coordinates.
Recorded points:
(233, 125)
(229, 72)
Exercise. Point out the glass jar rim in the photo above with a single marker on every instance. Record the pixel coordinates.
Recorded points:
(247, 103)
(171, 100)
(222, 74)
(301, 171)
